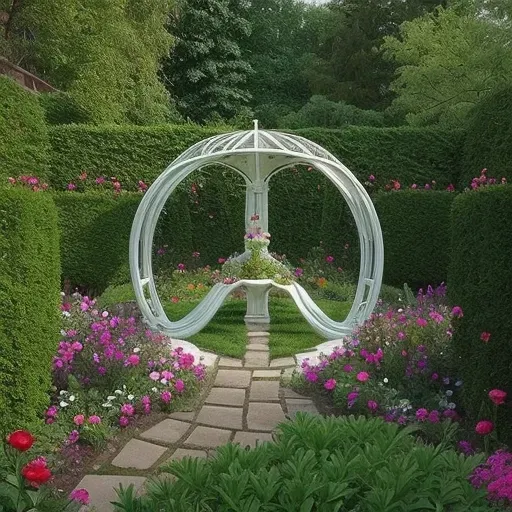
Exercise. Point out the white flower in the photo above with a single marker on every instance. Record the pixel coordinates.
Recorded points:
(451, 405)
(400, 310)
(154, 390)
(104, 314)
(163, 381)
(62, 294)
(386, 380)
(63, 332)
(66, 313)
(130, 397)
(118, 392)
(458, 383)
(111, 398)
(63, 404)
(449, 392)
(136, 349)
(71, 398)
(63, 392)
(106, 404)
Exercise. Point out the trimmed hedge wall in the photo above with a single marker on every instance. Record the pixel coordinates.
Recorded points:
(29, 303)
(416, 231)
(24, 145)
(131, 153)
(480, 281)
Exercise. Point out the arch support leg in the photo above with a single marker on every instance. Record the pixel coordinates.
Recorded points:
(257, 315)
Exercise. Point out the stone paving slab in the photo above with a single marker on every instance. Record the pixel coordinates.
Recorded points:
(185, 416)
(226, 396)
(258, 347)
(138, 455)
(101, 489)
(282, 362)
(180, 453)
(264, 417)
(208, 437)
(251, 438)
(287, 374)
(258, 340)
(256, 359)
(264, 391)
(232, 379)
(229, 361)
(167, 431)
(296, 405)
(258, 334)
(266, 374)
(224, 417)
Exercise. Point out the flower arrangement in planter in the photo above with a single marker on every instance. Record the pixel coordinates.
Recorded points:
(22, 488)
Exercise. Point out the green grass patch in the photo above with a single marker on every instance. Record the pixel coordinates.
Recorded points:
(226, 334)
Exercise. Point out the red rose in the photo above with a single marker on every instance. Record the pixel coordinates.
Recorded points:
(21, 440)
(36, 472)
(497, 396)
(484, 427)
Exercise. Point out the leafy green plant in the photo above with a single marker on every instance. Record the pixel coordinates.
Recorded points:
(319, 464)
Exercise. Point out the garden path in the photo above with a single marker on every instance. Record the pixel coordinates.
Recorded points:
(244, 406)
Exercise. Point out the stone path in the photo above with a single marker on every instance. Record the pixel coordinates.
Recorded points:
(244, 406)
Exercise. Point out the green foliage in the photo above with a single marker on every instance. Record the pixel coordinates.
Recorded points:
(95, 230)
(106, 54)
(321, 112)
(416, 230)
(29, 294)
(488, 141)
(319, 464)
(480, 275)
(206, 71)
(61, 108)
(439, 82)
(24, 147)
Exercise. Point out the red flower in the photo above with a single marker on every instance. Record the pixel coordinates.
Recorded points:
(498, 396)
(484, 427)
(36, 472)
(21, 440)
(485, 337)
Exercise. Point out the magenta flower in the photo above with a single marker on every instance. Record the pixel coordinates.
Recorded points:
(196, 254)
(421, 322)
(179, 385)
(166, 396)
(437, 317)
(329, 259)
(52, 411)
(311, 376)
(497, 396)
(485, 337)
(73, 437)
(94, 420)
(71, 186)
(79, 419)
(372, 405)
(433, 416)
(298, 272)
(124, 421)
(484, 427)
(330, 384)
(80, 496)
(181, 267)
(132, 360)
(127, 409)
(362, 376)
(421, 414)
(348, 368)
(371, 178)
(457, 312)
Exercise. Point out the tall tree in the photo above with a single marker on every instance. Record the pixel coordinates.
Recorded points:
(105, 53)
(205, 71)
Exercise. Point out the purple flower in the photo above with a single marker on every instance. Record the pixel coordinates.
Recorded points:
(421, 414)
(124, 421)
(330, 384)
(127, 409)
(73, 437)
(311, 376)
(457, 312)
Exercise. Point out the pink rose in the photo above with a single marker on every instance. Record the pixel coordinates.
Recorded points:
(498, 396)
(484, 427)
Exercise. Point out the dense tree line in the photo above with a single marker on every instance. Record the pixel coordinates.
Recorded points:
(374, 62)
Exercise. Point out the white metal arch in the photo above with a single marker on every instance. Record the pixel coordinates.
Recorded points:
(256, 155)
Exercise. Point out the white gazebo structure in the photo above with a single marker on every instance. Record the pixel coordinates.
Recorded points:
(257, 155)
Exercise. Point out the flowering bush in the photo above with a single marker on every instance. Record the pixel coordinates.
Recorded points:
(108, 370)
(21, 487)
(496, 476)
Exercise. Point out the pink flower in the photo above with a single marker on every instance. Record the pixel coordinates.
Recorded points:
(329, 259)
(421, 414)
(71, 186)
(485, 337)
(100, 180)
(154, 376)
(437, 317)
(175, 299)
(348, 368)
(362, 376)
(421, 322)
(497, 396)
(80, 496)
(94, 420)
(311, 376)
(330, 384)
(127, 409)
(372, 405)
(484, 427)
(196, 254)
(73, 437)
(371, 178)
(298, 272)
(132, 360)
(167, 375)
(79, 419)
(433, 417)
(52, 411)
(166, 396)
(179, 386)
(124, 421)
(450, 188)
(181, 267)
(221, 261)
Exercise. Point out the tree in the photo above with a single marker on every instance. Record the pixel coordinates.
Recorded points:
(105, 53)
(205, 71)
(448, 61)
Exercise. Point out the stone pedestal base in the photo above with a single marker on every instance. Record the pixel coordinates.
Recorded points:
(257, 316)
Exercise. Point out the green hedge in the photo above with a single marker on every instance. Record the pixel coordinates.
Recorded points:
(29, 303)
(480, 281)
(412, 155)
(416, 230)
(24, 146)
(489, 138)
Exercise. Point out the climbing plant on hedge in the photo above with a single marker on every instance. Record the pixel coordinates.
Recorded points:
(488, 142)
(480, 277)
(416, 230)
(24, 146)
(29, 298)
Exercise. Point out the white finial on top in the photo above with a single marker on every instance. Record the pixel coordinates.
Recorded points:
(255, 121)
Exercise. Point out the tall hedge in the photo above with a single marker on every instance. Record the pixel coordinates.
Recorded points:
(488, 142)
(480, 281)
(24, 144)
(416, 231)
(412, 155)
(29, 303)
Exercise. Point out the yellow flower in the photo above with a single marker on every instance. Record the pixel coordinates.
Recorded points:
(190, 286)
(322, 282)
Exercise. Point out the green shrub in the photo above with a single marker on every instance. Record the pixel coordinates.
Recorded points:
(319, 464)
(62, 108)
(416, 230)
(24, 146)
(488, 142)
(29, 303)
(480, 277)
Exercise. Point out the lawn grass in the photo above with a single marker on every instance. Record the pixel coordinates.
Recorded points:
(226, 334)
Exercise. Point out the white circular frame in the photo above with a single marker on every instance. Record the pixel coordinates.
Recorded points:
(256, 155)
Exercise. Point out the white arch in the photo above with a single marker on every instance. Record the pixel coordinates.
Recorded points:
(256, 154)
